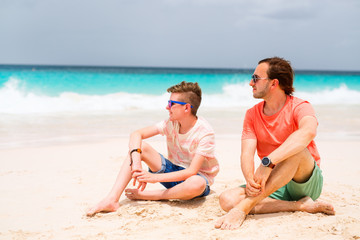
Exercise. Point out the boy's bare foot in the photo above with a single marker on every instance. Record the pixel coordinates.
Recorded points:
(103, 206)
(318, 206)
(232, 220)
(136, 194)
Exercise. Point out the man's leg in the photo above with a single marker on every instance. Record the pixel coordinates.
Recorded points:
(298, 167)
(111, 202)
(230, 198)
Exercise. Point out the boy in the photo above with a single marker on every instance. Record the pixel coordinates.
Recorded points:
(191, 165)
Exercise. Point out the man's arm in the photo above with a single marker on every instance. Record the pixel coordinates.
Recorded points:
(297, 141)
(248, 148)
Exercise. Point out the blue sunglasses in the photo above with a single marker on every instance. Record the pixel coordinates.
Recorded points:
(171, 103)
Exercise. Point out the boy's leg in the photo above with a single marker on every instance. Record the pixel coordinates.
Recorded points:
(298, 167)
(189, 189)
(192, 187)
(111, 202)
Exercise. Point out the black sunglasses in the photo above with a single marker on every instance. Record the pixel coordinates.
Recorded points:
(255, 78)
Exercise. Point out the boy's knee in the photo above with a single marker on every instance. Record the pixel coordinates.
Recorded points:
(148, 151)
(145, 147)
(196, 184)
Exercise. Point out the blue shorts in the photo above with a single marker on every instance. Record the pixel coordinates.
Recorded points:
(167, 167)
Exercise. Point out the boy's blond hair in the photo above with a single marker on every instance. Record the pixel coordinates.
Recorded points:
(191, 94)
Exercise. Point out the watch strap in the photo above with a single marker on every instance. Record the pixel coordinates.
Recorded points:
(134, 150)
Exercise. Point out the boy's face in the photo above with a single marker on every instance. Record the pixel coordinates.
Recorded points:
(176, 111)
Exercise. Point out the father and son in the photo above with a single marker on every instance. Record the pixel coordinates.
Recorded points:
(281, 129)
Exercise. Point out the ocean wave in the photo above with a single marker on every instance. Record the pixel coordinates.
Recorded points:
(15, 99)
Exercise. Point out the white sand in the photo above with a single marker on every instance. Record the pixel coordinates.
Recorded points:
(46, 190)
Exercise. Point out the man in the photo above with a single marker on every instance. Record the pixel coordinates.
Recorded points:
(281, 129)
(191, 165)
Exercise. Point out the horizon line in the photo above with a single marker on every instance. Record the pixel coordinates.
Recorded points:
(194, 69)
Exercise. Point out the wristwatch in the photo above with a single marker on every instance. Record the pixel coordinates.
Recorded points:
(266, 162)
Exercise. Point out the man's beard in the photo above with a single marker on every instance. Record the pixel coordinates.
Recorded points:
(263, 92)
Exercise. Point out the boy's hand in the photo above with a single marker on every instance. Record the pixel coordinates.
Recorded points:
(145, 177)
(137, 168)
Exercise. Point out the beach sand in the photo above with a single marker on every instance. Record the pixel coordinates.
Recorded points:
(46, 190)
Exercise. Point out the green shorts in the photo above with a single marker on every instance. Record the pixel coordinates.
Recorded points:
(294, 191)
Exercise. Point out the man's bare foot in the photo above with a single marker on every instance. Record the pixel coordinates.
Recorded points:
(318, 206)
(103, 206)
(232, 220)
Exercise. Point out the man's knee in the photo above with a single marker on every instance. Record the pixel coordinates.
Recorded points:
(229, 198)
(302, 156)
(305, 167)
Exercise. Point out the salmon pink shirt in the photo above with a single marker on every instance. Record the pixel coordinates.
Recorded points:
(271, 131)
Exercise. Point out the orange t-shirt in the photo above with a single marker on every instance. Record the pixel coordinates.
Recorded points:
(271, 131)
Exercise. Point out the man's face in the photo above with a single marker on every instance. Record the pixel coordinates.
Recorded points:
(262, 86)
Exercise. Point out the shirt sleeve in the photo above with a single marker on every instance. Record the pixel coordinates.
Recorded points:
(302, 110)
(248, 126)
(161, 126)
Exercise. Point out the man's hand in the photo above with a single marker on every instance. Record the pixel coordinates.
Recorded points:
(261, 176)
(252, 189)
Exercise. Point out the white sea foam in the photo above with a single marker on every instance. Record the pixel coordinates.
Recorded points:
(338, 96)
(16, 100)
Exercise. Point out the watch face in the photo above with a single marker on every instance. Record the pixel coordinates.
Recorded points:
(265, 161)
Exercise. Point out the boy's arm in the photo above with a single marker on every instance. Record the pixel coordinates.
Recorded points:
(181, 175)
(135, 142)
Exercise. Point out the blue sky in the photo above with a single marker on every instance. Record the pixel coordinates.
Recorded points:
(321, 34)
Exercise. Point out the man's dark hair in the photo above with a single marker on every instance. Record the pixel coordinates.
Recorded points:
(281, 69)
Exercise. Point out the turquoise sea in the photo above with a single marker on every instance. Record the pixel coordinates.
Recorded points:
(61, 104)
(50, 89)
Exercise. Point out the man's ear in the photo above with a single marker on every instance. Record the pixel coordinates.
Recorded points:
(275, 82)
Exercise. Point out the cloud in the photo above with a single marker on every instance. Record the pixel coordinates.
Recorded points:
(184, 33)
